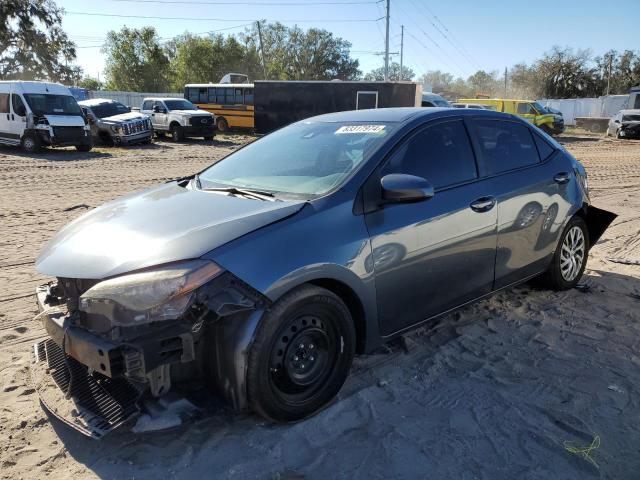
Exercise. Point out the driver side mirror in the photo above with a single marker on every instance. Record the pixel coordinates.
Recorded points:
(402, 188)
(616, 121)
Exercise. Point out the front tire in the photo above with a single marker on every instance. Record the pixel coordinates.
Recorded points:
(570, 258)
(301, 354)
(31, 143)
(177, 134)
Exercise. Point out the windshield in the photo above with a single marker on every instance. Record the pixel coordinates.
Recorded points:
(540, 108)
(303, 159)
(631, 118)
(46, 104)
(179, 105)
(104, 110)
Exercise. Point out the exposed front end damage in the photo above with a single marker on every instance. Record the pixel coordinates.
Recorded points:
(95, 375)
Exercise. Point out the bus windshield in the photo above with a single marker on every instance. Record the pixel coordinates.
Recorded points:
(47, 104)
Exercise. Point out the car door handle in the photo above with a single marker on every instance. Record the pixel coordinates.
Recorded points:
(561, 178)
(483, 204)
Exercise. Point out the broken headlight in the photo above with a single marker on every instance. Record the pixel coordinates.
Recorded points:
(161, 293)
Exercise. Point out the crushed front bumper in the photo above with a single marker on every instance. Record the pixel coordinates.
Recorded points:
(89, 402)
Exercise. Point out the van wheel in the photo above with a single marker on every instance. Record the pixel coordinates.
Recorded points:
(31, 143)
(570, 258)
(301, 354)
(222, 125)
(177, 135)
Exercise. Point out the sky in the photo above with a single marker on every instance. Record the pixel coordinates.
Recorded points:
(459, 37)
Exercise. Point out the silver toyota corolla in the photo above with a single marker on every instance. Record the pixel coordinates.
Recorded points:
(263, 275)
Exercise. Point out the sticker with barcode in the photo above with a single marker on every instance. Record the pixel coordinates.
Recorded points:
(360, 129)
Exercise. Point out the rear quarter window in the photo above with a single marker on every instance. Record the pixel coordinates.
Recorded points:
(505, 145)
(544, 149)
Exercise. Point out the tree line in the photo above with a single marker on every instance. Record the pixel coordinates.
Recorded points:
(33, 45)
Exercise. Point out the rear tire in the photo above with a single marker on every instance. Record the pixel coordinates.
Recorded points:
(31, 143)
(570, 258)
(177, 134)
(301, 354)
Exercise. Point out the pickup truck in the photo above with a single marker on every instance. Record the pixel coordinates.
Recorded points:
(178, 117)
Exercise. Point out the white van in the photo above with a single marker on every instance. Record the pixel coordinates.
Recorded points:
(33, 114)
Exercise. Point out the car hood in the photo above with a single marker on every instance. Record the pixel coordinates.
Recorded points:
(65, 120)
(158, 225)
(124, 117)
(190, 113)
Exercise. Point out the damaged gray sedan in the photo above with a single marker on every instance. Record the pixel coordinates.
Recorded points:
(262, 276)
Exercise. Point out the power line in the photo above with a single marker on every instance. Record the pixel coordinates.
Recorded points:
(151, 17)
(255, 4)
(462, 50)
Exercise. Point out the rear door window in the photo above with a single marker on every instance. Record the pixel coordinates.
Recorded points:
(505, 145)
(440, 153)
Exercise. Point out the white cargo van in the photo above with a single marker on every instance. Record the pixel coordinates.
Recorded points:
(33, 114)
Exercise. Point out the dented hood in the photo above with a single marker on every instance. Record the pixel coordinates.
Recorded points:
(155, 226)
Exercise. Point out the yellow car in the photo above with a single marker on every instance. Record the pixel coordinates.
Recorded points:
(533, 112)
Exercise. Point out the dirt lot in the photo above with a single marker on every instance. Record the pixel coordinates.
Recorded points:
(491, 392)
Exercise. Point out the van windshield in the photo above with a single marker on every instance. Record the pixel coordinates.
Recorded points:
(46, 104)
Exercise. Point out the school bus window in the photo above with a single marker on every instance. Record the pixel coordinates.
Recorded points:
(192, 94)
(229, 96)
(203, 96)
(220, 96)
(239, 96)
(248, 96)
(212, 95)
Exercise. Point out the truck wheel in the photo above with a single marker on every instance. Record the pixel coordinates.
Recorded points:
(177, 135)
(301, 354)
(31, 143)
(222, 124)
(84, 148)
(570, 258)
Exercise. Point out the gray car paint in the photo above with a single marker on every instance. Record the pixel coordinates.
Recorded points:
(155, 226)
(275, 246)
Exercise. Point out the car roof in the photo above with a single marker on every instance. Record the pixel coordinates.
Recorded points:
(92, 102)
(162, 98)
(402, 114)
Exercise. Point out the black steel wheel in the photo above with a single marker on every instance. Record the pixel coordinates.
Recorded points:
(301, 354)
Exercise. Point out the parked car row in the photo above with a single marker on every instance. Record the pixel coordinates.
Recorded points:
(37, 114)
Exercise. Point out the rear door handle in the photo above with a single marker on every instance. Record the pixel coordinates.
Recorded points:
(561, 178)
(483, 204)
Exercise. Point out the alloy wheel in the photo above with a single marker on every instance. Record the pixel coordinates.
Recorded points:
(572, 254)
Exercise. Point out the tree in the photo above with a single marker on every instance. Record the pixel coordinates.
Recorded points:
(196, 59)
(563, 73)
(90, 83)
(136, 61)
(33, 45)
(294, 54)
(394, 73)
(437, 80)
(485, 83)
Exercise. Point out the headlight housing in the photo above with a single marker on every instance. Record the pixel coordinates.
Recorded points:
(161, 293)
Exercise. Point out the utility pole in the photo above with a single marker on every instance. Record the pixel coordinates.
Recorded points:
(505, 82)
(386, 45)
(609, 74)
(401, 48)
(264, 66)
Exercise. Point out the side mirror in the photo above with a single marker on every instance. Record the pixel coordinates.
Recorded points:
(616, 121)
(400, 187)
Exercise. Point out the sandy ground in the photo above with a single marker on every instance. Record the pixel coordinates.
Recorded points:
(491, 392)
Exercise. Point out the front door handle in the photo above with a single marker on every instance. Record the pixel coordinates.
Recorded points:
(561, 178)
(483, 204)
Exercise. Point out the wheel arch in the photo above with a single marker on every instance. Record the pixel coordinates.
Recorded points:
(174, 123)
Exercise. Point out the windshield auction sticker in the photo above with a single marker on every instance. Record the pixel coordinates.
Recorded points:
(360, 129)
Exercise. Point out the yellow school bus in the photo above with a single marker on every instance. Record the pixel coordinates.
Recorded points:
(231, 103)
